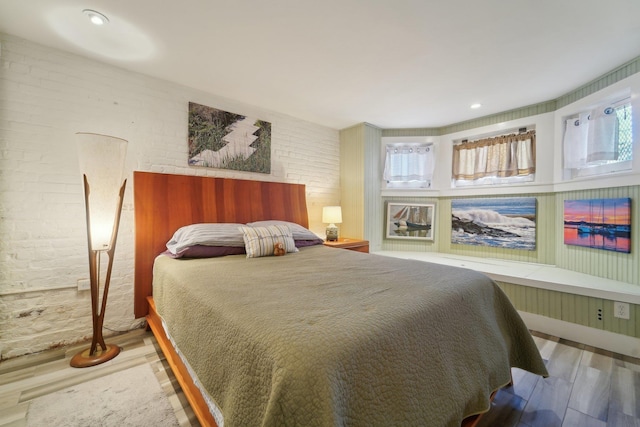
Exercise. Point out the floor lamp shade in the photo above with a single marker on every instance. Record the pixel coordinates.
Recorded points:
(102, 160)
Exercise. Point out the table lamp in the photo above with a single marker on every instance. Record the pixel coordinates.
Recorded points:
(332, 215)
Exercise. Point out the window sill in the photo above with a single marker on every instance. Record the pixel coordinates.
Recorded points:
(613, 179)
(541, 276)
(409, 192)
(472, 191)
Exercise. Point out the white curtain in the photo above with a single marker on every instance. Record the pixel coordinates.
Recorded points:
(602, 141)
(592, 137)
(410, 162)
(524, 156)
(575, 137)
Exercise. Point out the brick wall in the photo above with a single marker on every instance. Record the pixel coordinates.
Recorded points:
(46, 96)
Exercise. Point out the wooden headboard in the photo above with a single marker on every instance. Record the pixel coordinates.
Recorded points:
(164, 202)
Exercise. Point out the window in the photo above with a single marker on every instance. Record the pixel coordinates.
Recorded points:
(504, 159)
(408, 165)
(598, 141)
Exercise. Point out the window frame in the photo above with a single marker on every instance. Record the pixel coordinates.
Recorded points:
(403, 141)
(598, 169)
(493, 181)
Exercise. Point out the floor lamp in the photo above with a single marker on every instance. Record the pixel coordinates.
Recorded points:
(101, 165)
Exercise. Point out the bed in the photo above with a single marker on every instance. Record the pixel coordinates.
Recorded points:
(319, 336)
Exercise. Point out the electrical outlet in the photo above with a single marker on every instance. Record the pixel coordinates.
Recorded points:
(621, 310)
(84, 284)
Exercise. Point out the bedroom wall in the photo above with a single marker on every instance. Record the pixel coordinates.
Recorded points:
(359, 171)
(550, 193)
(46, 96)
(442, 194)
(548, 189)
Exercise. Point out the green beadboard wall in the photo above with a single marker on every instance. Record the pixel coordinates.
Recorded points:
(373, 184)
(582, 310)
(359, 179)
(550, 249)
(359, 162)
(352, 189)
(622, 72)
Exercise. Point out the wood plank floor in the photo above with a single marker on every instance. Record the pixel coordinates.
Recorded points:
(586, 387)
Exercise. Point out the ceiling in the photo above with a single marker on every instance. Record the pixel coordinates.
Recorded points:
(390, 63)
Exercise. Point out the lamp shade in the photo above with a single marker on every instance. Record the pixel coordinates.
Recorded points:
(332, 214)
(102, 161)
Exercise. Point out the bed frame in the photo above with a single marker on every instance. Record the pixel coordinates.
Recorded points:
(164, 202)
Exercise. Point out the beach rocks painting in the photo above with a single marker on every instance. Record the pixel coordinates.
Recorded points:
(499, 222)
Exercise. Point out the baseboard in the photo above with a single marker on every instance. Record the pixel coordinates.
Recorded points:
(605, 340)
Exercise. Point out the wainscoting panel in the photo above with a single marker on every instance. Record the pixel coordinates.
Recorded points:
(582, 310)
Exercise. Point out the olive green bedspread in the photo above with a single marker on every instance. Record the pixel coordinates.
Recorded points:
(331, 337)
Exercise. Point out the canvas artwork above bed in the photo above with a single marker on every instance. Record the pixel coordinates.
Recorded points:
(223, 140)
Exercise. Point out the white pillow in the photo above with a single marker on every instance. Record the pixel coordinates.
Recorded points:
(259, 241)
(207, 234)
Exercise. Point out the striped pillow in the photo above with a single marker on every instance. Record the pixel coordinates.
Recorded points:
(259, 241)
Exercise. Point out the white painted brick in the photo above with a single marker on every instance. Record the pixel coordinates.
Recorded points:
(47, 96)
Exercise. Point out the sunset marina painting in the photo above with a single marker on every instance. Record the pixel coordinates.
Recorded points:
(598, 223)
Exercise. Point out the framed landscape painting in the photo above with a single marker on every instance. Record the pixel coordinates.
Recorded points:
(410, 221)
(508, 222)
(224, 140)
(598, 224)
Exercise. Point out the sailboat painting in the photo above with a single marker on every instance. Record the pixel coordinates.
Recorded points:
(598, 223)
(410, 221)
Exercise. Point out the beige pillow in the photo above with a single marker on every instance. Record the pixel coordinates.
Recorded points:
(259, 241)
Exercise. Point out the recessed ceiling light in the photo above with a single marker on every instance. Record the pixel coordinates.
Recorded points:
(474, 106)
(96, 18)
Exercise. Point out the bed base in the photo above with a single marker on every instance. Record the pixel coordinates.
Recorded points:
(192, 392)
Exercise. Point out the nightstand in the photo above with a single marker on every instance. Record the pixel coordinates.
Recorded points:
(351, 244)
